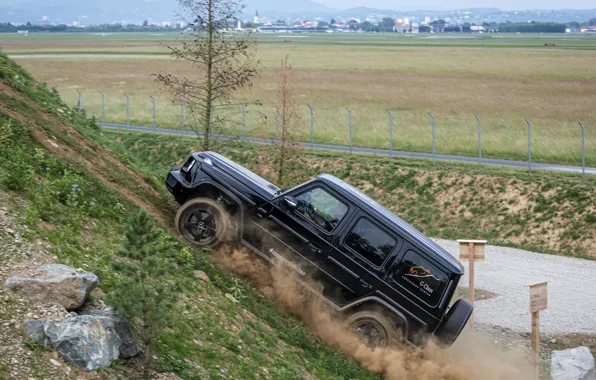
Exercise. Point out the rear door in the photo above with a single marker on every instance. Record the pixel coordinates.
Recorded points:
(301, 237)
(417, 285)
(358, 260)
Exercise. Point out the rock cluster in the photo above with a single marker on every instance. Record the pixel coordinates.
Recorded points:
(91, 338)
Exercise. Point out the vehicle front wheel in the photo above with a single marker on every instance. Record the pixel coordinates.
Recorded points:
(374, 328)
(203, 222)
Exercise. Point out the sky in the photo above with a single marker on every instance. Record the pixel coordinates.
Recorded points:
(458, 4)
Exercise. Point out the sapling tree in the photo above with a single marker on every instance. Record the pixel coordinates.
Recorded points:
(147, 289)
(287, 149)
(222, 63)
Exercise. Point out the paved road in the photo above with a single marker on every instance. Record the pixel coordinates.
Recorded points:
(508, 272)
(385, 152)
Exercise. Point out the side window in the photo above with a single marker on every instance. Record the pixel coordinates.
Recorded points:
(370, 242)
(421, 278)
(321, 208)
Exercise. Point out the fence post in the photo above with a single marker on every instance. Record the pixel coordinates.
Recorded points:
(350, 119)
(276, 122)
(479, 142)
(79, 104)
(181, 117)
(154, 120)
(529, 146)
(583, 151)
(433, 137)
(312, 128)
(103, 108)
(243, 121)
(390, 135)
(127, 110)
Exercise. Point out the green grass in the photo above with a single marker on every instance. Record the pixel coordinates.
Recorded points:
(208, 336)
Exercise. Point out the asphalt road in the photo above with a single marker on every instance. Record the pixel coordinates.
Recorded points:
(384, 152)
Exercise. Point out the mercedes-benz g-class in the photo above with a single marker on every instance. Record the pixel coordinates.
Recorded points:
(389, 281)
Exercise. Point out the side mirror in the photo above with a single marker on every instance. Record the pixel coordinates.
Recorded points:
(291, 202)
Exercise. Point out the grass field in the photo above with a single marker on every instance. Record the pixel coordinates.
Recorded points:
(502, 80)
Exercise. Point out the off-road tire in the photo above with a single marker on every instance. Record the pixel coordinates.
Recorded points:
(217, 228)
(388, 333)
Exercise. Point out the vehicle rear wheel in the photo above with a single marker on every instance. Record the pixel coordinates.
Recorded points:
(374, 328)
(202, 222)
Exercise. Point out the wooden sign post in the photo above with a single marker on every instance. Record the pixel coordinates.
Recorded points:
(472, 250)
(538, 302)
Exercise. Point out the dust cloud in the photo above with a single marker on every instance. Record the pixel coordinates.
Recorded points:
(470, 357)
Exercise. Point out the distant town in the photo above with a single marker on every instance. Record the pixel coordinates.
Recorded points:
(460, 21)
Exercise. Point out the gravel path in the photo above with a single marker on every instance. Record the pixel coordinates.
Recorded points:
(508, 272)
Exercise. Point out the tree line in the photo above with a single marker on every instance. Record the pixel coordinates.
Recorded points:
(385, 25)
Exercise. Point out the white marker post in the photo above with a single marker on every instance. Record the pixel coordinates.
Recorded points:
(538, 302)
(472, 250)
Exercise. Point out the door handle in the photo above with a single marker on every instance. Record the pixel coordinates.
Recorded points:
(365, 284)
(315, 249)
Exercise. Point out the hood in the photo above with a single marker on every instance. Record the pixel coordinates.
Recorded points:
(242, 174)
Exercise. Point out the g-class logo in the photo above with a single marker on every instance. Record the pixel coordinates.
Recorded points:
(420, 272)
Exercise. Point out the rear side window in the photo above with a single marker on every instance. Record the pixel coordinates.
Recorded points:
(370, 242)
(421, 278)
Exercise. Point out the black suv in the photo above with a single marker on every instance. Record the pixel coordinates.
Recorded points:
(390, 281)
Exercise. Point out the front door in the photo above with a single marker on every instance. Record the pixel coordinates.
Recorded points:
(300, 237)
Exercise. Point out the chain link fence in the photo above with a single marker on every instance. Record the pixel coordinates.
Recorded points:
(392, 131)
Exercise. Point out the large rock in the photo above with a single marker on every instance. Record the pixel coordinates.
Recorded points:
(54, 283)
(129, 347)
(87, 341)
(573, 364)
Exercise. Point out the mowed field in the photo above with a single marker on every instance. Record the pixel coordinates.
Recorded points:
(502, 80)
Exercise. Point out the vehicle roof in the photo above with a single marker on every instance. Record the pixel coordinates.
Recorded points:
(378, 210)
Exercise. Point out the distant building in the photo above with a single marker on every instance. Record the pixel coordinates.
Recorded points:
(588, 29)
(256, 18)
(477, 29)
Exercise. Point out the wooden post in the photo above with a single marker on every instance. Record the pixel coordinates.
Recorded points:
(472, 250)
(471, 282)
(535, 343)
(538, 302)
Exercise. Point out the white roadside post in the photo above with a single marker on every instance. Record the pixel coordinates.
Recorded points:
(471, 250)
(538, 302)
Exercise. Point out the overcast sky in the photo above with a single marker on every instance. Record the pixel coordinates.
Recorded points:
(455, 4)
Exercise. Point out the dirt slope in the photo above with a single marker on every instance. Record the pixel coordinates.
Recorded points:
(57, 137)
